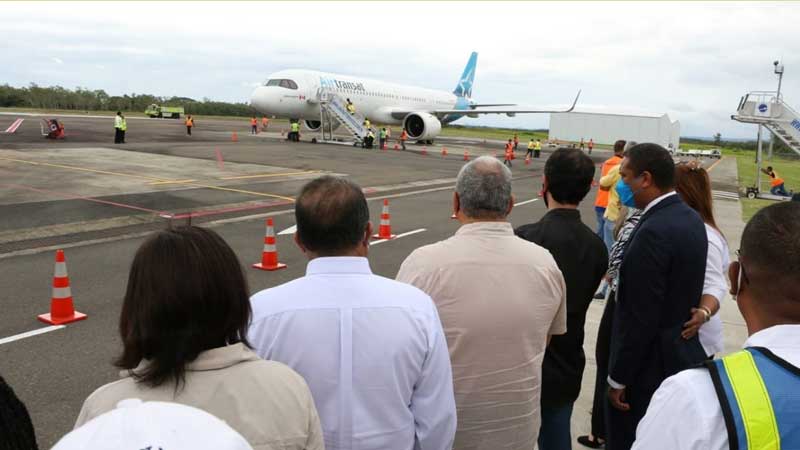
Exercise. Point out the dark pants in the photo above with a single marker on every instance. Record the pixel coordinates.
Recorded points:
(507, 162)
(117, 135)
(529, 153)
(403, 143)
(253, 129)
(122, 137)
(621, 425)
(555, 431)
(590, 150)
(383, 142)
(601, 355)
(536, 153)
(189, 130)
(779, 190)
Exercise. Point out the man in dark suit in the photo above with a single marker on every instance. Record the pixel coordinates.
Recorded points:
(661, 279)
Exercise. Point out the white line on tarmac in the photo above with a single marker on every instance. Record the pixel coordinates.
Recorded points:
(28, 334)
(291, 230)
(420, 230)
(525, 202)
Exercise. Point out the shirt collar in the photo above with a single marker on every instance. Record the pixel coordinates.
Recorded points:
(486, 228)
(565, 213)
(774, 336)
(214, 359)
(338, 264)
(657, 200)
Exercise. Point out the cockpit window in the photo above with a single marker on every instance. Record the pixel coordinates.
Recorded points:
(284, 83)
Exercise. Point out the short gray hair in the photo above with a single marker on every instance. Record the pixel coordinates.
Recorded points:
(484, 188)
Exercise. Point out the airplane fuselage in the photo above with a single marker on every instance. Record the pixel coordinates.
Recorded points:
(294, 94)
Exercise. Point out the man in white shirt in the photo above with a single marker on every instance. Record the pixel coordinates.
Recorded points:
(371, 349)
(500, 298)
(687, 410)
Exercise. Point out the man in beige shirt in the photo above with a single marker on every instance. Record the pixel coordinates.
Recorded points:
(500, 298)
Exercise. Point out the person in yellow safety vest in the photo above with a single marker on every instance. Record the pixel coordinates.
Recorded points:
(531, 146)
(351, 108)
(253, 125)
(295, 136)
(367, 123)
(748, 399)
(264, 123)
(118, 128)
(124, 128)
(189, 124)
(537, 149)
(509, 153)
(403, 138)
(777, 185)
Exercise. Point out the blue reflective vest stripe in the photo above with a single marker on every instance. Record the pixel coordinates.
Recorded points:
(759, 394)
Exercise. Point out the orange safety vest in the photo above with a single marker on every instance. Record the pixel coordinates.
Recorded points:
(264, 121)
(189, 122)
(602, 196)
(253, 122)
(509, 151)
(776, 180)
(403, 136)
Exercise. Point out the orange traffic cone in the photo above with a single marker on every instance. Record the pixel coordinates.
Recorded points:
(396, 147)
(269, 257)
(444, 151)
(466, 155)
(424, 150)
(234, 137)
(527, 160)
(454, 216)
(385, 230)
(61, 309)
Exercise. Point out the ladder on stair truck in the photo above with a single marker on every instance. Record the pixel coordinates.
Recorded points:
(768, 110)
(332, 110)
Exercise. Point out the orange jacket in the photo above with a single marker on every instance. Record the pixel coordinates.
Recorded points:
(189, 122)
(602, 196)
(403, 136)
(264, 121)
(253, 122)
(509, 151)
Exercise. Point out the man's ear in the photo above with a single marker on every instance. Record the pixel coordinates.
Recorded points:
(511, 202)
(647, 179)
(456, 203)
(733, 277)
(368, 233)
(298, 243)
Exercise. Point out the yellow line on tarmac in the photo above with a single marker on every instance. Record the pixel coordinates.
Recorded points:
(144, 177)
(266, 175)
(170, 182)
(715, 164)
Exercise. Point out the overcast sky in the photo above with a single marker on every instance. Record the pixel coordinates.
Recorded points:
(691, 60)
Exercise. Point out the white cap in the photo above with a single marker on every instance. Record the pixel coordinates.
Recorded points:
(136, 425)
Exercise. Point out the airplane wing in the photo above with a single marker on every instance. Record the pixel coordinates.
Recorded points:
(510, 112)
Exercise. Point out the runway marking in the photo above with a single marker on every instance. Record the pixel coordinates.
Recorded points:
(154, 183)
(80, 197)
(526, 202)
(28, 334)
(291, 230)
(711, 167)
(267, 175)
(144, 177)
(420, 230)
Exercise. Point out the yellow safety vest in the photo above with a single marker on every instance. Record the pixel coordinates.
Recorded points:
(124, 125)
(295, 126)
(531, 145)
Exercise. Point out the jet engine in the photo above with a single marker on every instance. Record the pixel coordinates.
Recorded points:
(422, 126)
(316, 125)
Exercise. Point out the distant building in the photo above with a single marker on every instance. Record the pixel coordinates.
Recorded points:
(607, 127)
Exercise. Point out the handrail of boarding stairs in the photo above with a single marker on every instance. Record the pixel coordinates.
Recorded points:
(331, 99)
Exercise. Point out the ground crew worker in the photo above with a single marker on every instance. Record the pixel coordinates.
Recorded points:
(537, 149)
(253, 125)
(367, 123)
(382, 137)
(516, 141)
(403, 138)
(124, 128)
(295, 133)
(531, 146)
(591, 144)
(509, 153)
(369, 139)
(582, 145)
(118, 128)
(189, 124)
(264, 123)
(351, 108)
(777, 185)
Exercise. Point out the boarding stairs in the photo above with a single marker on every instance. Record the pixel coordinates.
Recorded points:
(333, 107)
(767, 109)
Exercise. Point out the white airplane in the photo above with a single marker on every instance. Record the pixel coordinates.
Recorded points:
(295, 94)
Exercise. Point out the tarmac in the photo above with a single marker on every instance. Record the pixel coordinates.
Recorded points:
(98, 201)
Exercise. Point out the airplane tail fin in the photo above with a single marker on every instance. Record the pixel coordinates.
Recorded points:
(464, 86)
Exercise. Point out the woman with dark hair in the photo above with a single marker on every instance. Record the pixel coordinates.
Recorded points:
(694, 186)
(16, 428)
(183, 326)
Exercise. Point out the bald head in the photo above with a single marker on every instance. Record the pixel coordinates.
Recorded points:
(484, 189)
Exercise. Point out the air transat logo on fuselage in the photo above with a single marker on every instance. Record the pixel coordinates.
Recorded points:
(330, 82)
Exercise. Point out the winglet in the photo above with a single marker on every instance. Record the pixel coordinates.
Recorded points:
(575, 102)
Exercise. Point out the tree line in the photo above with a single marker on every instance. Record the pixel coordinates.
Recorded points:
(83, 99)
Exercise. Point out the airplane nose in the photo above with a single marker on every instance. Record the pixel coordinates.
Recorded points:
(260, 99)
